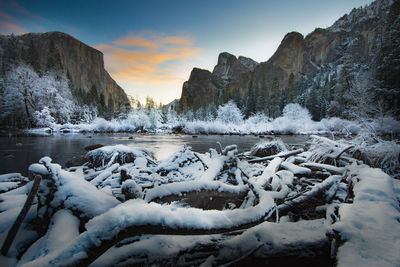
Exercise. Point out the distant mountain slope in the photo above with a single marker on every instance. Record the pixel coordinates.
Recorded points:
(58, 52)
(324, 70)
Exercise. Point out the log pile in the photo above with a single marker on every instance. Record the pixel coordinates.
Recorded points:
(289, 187)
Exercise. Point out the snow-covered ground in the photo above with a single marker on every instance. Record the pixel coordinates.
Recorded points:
(315, 206)
(294, 120)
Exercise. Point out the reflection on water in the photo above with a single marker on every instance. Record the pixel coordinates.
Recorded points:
(17, 153)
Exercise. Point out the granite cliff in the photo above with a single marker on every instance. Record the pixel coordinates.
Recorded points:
(355, 42)
(89, 82)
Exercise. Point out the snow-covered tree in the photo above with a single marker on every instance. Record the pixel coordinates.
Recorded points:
(155, 118)
(229, 113)
(43, 118)
(25, 92)
(296, 112)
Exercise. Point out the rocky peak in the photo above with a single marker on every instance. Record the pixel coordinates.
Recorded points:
(289, 55)
(248, 62)
(199, 90)
(376, 10)
(229, 67)
(353, 40)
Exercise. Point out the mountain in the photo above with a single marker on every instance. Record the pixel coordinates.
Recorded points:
(59, 54)
(324, 71)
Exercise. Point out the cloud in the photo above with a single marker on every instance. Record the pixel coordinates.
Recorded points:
(6, 16)
(9, 27)
(148, 59)
(8, 24)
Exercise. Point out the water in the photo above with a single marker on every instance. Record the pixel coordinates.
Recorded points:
(17, 153)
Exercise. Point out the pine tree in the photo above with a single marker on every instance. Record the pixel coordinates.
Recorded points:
(33, 58)
(274, 99)
(53, 58)
(291, 89)
(388, 70)
(312, 102)
(251, 102)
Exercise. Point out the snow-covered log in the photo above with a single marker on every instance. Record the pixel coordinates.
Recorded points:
(369, 228)
(284, 154)
(17, 224)
(318, 189)
(170, 213)
(323, 167)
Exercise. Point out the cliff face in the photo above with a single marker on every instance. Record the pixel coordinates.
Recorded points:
(205, 87)
(354, 39)
(82, 64)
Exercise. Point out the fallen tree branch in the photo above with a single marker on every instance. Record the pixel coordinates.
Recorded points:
(280, 155)
(325, 185)
(343, 151)
(95, 244)
(202, 162)
(323, 167)
(17, 223)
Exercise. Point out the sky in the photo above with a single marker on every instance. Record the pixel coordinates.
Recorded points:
(150, 47)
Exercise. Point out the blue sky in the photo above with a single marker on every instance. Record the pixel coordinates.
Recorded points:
(151, 46)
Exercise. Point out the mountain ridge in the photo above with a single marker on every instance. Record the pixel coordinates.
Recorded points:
(352, 42)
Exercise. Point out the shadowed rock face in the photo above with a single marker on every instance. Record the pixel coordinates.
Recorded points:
(200, 90)
(83, 64)
(356, 36)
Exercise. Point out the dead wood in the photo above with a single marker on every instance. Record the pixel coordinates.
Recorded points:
(280, 155)
(17, 223)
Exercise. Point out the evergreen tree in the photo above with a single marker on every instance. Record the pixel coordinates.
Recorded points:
(388, 70)
(291, 89)
(251, 102)
(53, 58)
(33, 58)
(312, 102)
(274, 99)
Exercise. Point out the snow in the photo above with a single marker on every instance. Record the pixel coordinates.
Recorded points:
(12, 177)
(132, 189)
(370, 225)
(295, 169)
(75, 193)
(269, 239)
(86, 201)
(229, 119)
(139, 213)
(63, 230)
(150, 248)
(197, 185)
(327, 167)
(119, 153)
(38, 169)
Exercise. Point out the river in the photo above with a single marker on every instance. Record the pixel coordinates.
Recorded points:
(18, 152)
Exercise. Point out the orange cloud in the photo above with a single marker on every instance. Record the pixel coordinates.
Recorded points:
(8, 28)
(6, 16)
(157, 61)
(135, 41)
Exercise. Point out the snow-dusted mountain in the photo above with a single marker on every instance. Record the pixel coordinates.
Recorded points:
(55, 56)
(324, 70)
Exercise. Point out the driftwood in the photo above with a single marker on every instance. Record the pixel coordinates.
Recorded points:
(280, 155)
(301, 189)
(325, 185)
(17, 223)
(323, 167)
(95, 249)
(343, 151)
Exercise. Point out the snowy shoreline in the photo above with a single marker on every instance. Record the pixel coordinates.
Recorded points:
(229, 120)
